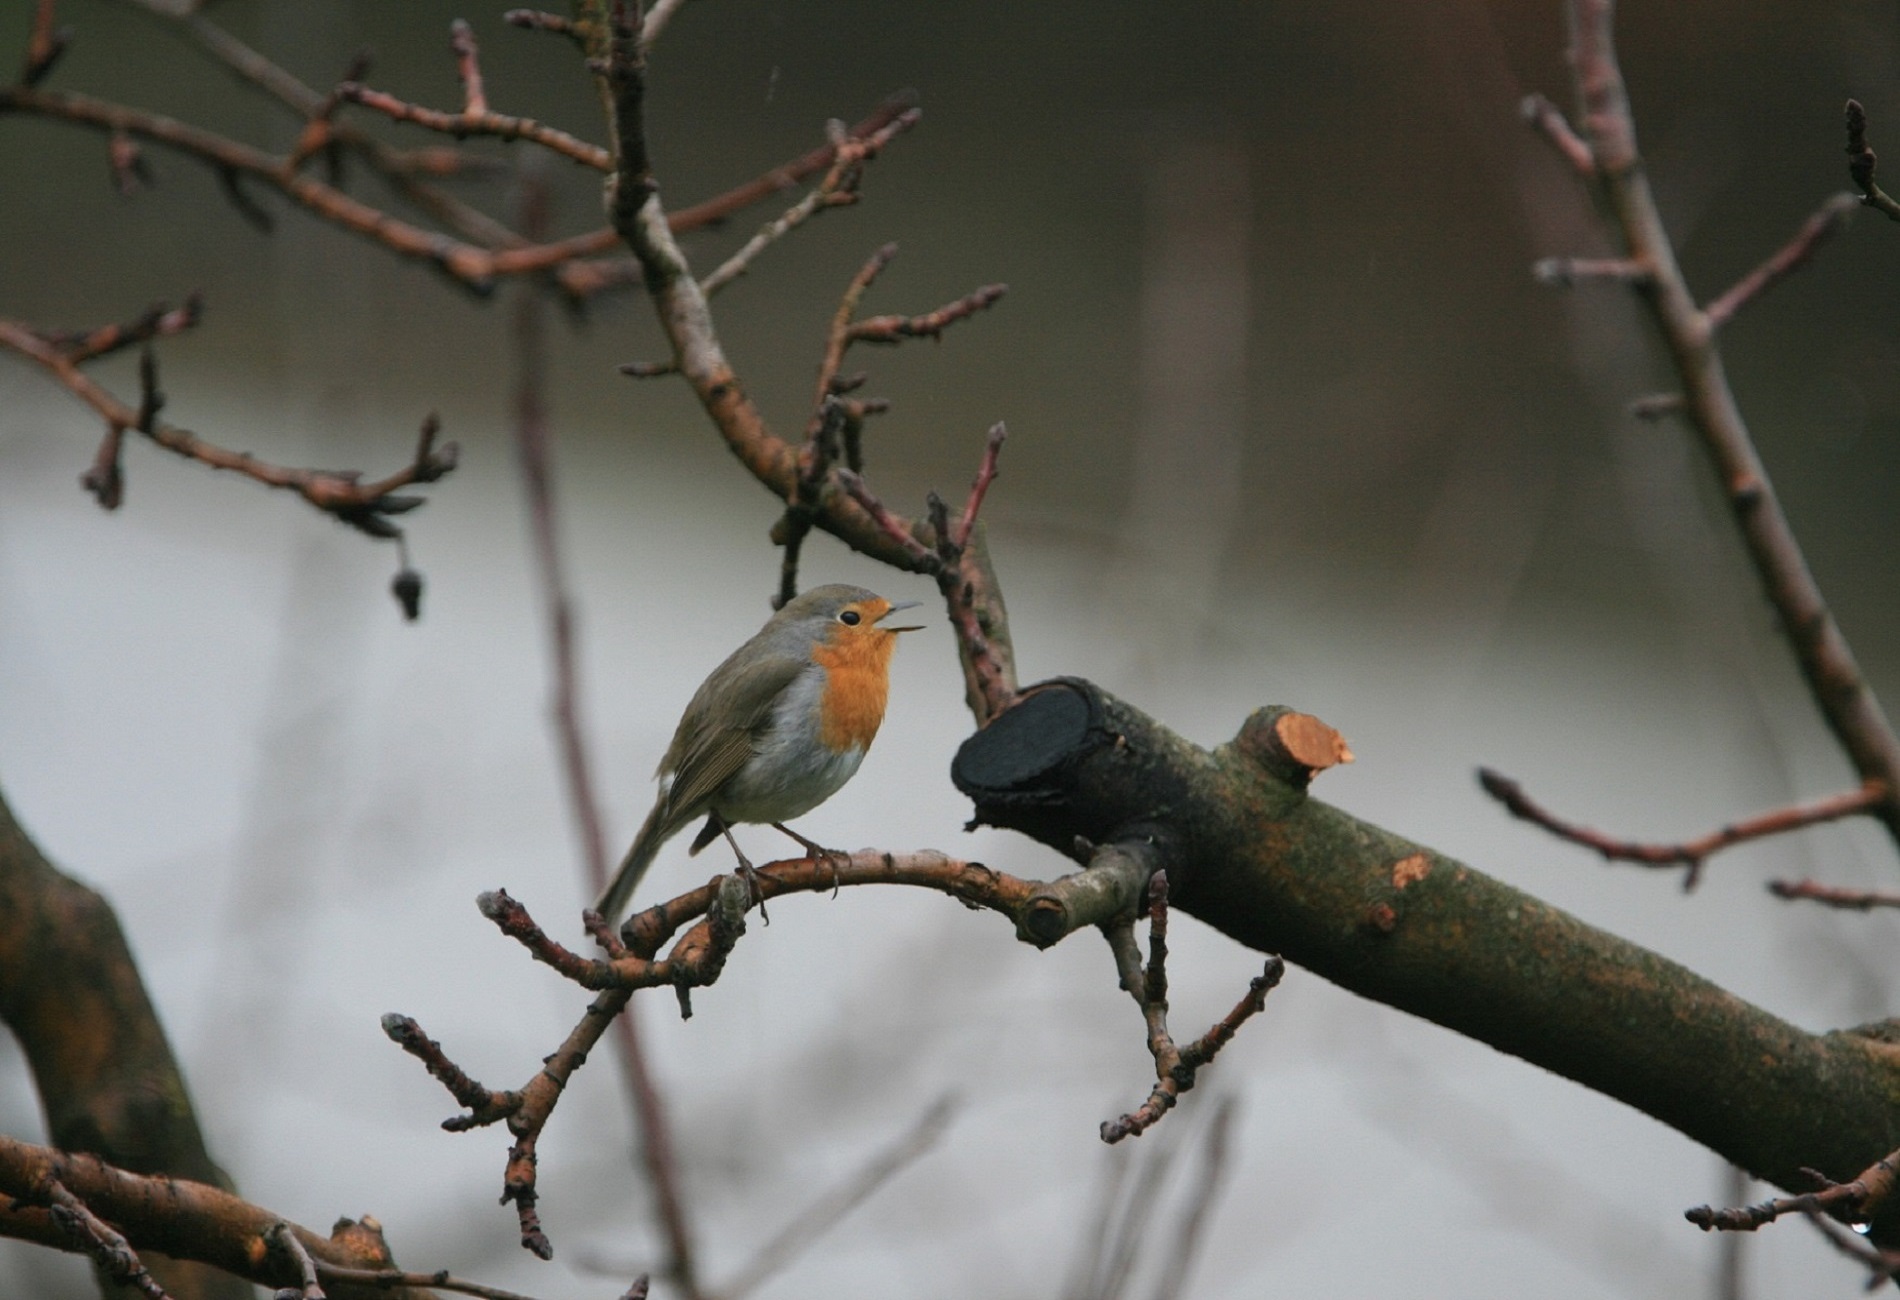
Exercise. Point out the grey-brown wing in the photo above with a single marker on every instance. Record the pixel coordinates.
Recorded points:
(720, 729)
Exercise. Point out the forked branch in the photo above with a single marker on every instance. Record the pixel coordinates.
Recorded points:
(1834, 679)
(1855, 1200)
(1175, 1067)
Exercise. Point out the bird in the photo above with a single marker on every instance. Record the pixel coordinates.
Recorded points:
(775, 730)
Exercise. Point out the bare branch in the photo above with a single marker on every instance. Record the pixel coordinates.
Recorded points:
(1857, 1199)
(1691, 854)
(985, 475)
(658, 16)
(284, 1238)
(44, 44)
(483, 122)
(1830, 220)
(1861, 161)
(1834, 679)
(892, 527)
(159, 321)
(1657, 405)
(91, 1234)
(1175, 1067)
(367, 507)
(185, 1220)
(1882, 1265)
(1851, 900)
(1563, 272)
(1539, 112)
(838, 189)
(895, 329)
(713, 919)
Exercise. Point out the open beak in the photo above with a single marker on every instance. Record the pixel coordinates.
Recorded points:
(902, 604)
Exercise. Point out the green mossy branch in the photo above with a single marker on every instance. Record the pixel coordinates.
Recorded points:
(1249, 853)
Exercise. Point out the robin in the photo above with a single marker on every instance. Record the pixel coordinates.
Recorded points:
(776, 729)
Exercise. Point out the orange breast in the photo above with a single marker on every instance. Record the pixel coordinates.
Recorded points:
(857, 666)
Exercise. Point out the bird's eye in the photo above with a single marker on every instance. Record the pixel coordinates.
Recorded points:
(850, 617)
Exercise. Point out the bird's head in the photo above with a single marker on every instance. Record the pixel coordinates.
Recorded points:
(840, 614)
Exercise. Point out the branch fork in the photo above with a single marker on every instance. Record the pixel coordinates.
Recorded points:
(1175, 1067)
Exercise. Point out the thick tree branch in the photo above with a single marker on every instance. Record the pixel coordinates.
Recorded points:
(105, 1074)
(1249, 853)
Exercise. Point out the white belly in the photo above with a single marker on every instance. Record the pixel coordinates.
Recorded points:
(791, 773)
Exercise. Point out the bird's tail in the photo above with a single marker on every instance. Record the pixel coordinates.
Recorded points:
(654, 832)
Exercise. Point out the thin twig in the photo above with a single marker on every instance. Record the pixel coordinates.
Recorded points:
(393, 1278)
(476, 267)
(892, 527)
(107, 1247)
(1851, 900)
(282, 1237)
(814, 467)
(1882, 1265)
(1858, 1199)
(985, 475)
(838, 189)
(1563, 272)
(367, 507)
(1689, 854)
(1861, 162)
(1828, 221)
(485, 1105)
(159, 321)
(1175, 1067)
(44, 44)
(1550, 120)
(712, 918)
(710, 212)
(479, 122)
(659, 14)
(468, 67)
(895, 329)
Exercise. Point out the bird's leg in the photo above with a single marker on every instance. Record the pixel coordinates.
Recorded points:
(746, 870)
(818, 852)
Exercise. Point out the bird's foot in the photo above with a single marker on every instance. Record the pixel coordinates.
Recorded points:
(818, 852)
(747, 870)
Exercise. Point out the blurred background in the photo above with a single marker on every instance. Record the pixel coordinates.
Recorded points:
(1290, 422)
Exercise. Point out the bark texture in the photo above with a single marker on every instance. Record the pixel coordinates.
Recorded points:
(1247, 851)
(107, 1081)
